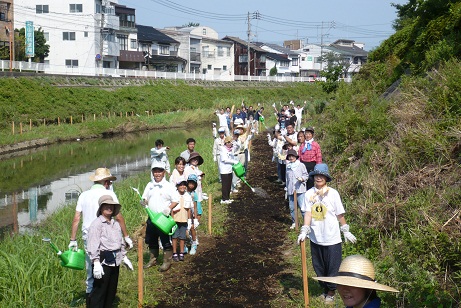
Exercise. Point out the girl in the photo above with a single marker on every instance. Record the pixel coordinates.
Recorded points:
(191, 186)
(296, 182)
(178, 172)
(181, 215)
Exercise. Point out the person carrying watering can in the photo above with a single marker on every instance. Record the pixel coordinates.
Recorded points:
(87, 206)
(106, 251)
(160, 196)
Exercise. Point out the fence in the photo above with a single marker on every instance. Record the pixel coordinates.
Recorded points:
(114, 72)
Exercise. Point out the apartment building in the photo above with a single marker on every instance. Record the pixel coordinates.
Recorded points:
(6, 24)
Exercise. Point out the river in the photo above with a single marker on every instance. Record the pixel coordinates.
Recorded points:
(37, 182)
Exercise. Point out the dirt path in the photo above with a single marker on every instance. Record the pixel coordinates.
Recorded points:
(248, 266)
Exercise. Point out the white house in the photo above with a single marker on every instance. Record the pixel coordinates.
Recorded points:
(285, 60)
(205, 52)
(310, 64)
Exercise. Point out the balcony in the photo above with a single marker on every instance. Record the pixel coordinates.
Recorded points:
(195, 57)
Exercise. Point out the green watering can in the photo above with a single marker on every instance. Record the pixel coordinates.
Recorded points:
(239, 171)
(165, 223)
(74, 259)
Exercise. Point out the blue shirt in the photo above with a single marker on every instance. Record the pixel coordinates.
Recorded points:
(375, 303)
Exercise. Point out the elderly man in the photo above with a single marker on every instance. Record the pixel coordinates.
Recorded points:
(87, 205)
(160, 196)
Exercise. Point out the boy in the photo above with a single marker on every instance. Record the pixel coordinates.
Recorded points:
(181, 215)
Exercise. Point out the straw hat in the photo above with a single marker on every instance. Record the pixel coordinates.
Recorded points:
(357, 271)
(197, 156)
(102, 174)
(107, 199)
(228, 139)
(321, 169)
(240, 126)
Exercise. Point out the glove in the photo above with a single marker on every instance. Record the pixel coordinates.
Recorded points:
(127, 263)
(166, 211)
(214, 158)
(129, 242)
(305, 230)
(300, 179)
(97, 270)
(73, 245)
(273, 105)
(347, 235)
(189, 224)
(196, 223)
(253, 131)
(143, 202)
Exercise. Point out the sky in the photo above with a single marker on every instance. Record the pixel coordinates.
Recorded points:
(273, 21)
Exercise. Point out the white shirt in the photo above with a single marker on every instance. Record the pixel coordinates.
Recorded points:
(226, 160)
(299, 113)
(324, 211)
(88, 204)
(222, 119)
(160, 195)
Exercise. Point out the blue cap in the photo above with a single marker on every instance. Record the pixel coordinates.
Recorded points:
(192, 177)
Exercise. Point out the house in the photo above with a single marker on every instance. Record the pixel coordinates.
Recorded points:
(310, 63)
(127, 37)
(353, 53)
(160, 50)
(6, 24)
(287, 63)
(206, 53)
(257, 63)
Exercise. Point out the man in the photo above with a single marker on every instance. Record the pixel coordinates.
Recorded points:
(190, 148)
(299, 115)
(87, 205)
(237, 115)
(218, 143)
(161, 197)
(223, 117)
(291, 136)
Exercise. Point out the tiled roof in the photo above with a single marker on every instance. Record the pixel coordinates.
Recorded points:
(245, 43)
(346, 50)
(277, 57)
(150, 34)
(278, 48)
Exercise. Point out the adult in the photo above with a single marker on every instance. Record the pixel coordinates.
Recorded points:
(356, 283)
(223, 117)
(299, 115)
(237, 115)
(226, 160)
(323, 209)
(218, 143)
(190, 148)
(160, 153)
(229, 118)
(291, 137)
(87, 206)
(244, 138)
(309, 153)
(250, 114)
(160, 196)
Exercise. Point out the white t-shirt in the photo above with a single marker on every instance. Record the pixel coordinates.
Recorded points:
(88, 204)
(160, 195)
(222, 119)
(299, 113)
(324, 210)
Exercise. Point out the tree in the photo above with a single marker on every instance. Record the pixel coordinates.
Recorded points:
(191, 24)
(336, 66)
(41, 48)
(273, 71)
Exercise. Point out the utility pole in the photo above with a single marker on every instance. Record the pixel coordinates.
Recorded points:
(248, 47)
(11, 35)
(101, 44)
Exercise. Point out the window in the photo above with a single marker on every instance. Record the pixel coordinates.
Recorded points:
(68, 36)
(303, 59)
(262, 59)
(2, 16)
(228, 51)
(294, 61)
(75, 8)
(220, 51)
(209, 66)
(204, 31)
(47, 36)
(284, 63)
(224, 67)
(123, 41)
(71, 63)
(164, 50)
(98, 8)
(318, 59)
(133, 44)
(85, 34)
(243, 58)
(41, 9)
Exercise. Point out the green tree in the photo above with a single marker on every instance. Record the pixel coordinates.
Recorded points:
(336, 66)
(273, 71)
(191, 24)
(42, 49)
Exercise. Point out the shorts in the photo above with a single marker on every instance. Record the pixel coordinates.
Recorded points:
(180, 231)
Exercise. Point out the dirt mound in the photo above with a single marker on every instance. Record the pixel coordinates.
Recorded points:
(247, 266)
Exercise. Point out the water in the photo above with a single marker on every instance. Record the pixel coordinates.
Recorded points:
(36, 182)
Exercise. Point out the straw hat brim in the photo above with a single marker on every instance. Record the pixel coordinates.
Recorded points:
(97, 178)
(356, 282)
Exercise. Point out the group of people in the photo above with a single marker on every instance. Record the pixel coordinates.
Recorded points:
(104, 232)
(302, 172)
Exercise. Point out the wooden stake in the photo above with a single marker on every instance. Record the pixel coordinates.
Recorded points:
(140, 272)
(12, 128)
(59, 121)
(94, 117)
(44, 122)
(305, 282)
(295, 201)
(71, 122)
(109, 114)
(30, 124)
(82, 118)
(210, 198)
(20, 128)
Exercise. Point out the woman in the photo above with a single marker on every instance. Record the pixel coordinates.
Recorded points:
(323, 209)
(226, 160)
(309, 153)
(356, 283)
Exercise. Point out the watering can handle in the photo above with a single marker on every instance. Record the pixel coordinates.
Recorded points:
(56, 249)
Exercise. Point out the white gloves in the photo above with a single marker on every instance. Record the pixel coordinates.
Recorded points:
(189, 224)
(305, 230)
(273, 105)
(166, 211)
(300, 179)
(253, 130)
(196, 223)
(73, 245)
(129, 242)
(97, 270)
(347, 235)
(143, 202)
(127, 263)
(214, 158)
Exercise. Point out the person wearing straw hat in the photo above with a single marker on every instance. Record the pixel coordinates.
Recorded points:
(356, 283)
(106, 251)
(323, 209)
(87, 206)
(226, 160)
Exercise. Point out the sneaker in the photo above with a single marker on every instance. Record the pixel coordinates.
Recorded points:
(196, 240)
(181, 257)
(175, 257)
(223, 201)
(186, 250)
(293, 225)
(278, 181)
(193, 250)
(329, 299)
(235, 191)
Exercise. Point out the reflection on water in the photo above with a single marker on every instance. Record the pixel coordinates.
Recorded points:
(36, 183)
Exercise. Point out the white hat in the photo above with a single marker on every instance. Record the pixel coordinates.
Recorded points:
(157, 164)
(238, 121)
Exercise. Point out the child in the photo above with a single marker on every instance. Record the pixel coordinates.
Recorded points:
(191, 186)
(178, 172)
(159, 153)
(297, 176)
(181, 215)
(195, 160)
(106, 251)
